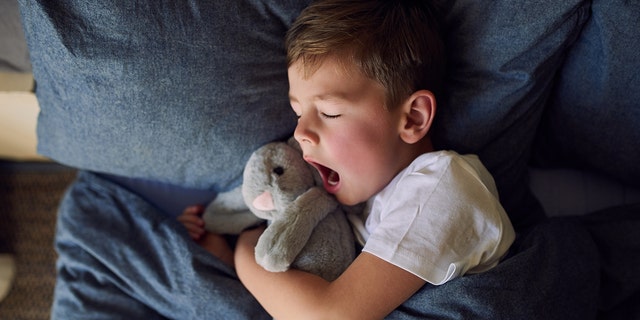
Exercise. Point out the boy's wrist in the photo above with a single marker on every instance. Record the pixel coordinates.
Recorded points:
(218, 246)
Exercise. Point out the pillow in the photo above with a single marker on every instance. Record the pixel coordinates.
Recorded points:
(174, 92)
(593, 118)
(503, 56)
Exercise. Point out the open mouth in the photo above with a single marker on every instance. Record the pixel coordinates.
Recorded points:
(330, 178)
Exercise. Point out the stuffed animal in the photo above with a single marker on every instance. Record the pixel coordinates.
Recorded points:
(307, 228)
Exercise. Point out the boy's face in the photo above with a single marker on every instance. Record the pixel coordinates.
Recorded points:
(345, 131)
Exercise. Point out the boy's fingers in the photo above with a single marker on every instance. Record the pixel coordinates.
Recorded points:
(196, 220)
(195, 235)
(193, 210)
(192, 221)
(193, 227)
(194, 231)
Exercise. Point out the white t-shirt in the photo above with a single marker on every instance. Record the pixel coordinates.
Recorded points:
(439, 218)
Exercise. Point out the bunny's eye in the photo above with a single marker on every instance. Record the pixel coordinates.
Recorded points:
(278, 170)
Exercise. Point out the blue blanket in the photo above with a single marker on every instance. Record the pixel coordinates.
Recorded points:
(120, 257)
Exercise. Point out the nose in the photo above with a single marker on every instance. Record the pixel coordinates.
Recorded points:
(304, 132)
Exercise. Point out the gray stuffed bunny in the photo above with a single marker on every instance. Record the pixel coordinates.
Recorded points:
(308, 228)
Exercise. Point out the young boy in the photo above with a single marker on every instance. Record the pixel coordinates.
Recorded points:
(363, 77)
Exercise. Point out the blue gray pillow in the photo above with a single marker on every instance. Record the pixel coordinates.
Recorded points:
(175, 92)
(503, 56)
(593, 118)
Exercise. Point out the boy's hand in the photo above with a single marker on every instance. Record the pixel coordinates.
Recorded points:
(192, 220)
(215, 244)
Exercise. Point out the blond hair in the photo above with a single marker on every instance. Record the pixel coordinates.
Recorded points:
(396, 43)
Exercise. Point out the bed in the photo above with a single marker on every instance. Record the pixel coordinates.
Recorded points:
(151, 100)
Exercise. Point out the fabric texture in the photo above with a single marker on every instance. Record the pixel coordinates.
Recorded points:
(153, 270)
(592, 118)
(120, 258)
(503, 56)
(175, 92)
(615, 232)
(439, 218)
(552, 273)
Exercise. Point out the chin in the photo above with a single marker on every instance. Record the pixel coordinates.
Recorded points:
(349, 201)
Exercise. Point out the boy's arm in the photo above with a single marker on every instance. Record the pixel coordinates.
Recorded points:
(369, 289)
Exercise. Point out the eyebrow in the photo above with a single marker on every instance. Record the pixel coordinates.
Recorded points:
(325, 97)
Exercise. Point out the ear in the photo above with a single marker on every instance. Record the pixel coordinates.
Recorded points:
(418, 112)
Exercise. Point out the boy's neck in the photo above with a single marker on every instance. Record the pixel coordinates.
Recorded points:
(424, 146)
(417, 149)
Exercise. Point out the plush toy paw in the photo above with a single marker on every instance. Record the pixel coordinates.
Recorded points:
(271, 260)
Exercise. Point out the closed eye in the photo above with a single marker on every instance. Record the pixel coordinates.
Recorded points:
(330, 116)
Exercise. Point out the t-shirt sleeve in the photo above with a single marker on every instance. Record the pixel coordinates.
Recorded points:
(443, 222)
